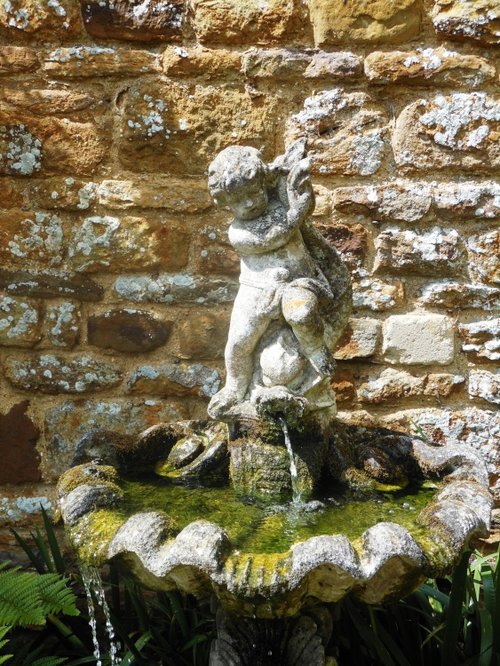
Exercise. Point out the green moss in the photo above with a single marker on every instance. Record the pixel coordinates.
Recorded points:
(93, 533)
(89, 474)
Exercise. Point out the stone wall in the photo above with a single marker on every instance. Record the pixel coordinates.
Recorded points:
(116, 279)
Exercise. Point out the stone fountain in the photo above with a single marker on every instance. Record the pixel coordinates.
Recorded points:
(272, 505)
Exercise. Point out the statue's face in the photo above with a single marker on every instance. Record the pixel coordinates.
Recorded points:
(247, 200)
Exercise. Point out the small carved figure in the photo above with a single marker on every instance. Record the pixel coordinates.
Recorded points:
(283, 321)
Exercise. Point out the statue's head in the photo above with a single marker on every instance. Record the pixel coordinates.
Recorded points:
(237, 179)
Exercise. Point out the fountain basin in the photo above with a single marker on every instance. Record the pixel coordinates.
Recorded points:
(266, 561)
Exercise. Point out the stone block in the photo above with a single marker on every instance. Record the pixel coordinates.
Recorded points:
(127, 330)
(484, 256)
(395, 385)
(31, 238)
(95, 61)
(418, 339)
(69, 421)
(203, 335)
(179, 128)
(481, 339)
(200, 62)
(153, 21)
(186, 195)
(213, 255)
(377, 295)
(274, 64)
(467, 199)
(345, 132)
(475, 20)
(457, 296)
(62, 324)
(364, 21)
(18, 440)
(48, 373)
(404, 201)
(26, 97)
(334, 65)
(15, 59)
(251, 22)
(458, 130)
(433, 252)
(174, 379)
(60, 193)
(48, 285)
(439, 65)
(359, 340)
(24, 510)
(179, 288)
(343, 385)
(27, 19)
(351, 242)
(20, 322)
(485, 385)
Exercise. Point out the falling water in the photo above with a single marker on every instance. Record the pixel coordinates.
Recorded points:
(296, 496)
(95, 590)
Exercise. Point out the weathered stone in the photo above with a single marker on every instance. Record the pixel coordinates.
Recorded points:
(23, 510)
(18, 439)
(198, 61)
(62, 193)
(436, 251)
(11, 193)
(475, 20)
(45, 285)
(171, 127)
(343, 385)
(394, 385)
(400, 200)
(458, 130)
(203, 335)
(359, 340)
(128, 330)
(440, 65)
(52, 374)
(351, 242)
(135, 21)
(14, 59)
(481, 339)
(336, 21)
(188, 195)
(332, 65)
(418, 339)
(485, 385)
(20, 151)
(84, 61)
(377, 295)
(174, 379)
(62, 325)
(213, 254)
(276, 64)
(34, 238)
(233, 22)
(45, 101)
(68, 422)
(466, 200)
(185, 450)
(179, 288)
(58, 19)
(484, 256)
(19, 322)
(345, 132)
(454, 295)
(133, 243)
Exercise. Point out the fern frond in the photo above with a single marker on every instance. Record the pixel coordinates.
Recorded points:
(56, 597)
(20, 603)
(49, 661)
(3, 632)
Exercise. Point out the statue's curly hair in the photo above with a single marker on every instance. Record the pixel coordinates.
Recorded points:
(232, 166)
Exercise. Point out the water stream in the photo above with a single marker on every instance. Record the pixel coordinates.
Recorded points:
(95, 592)
(296, 496)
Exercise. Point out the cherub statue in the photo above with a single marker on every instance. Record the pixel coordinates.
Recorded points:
(289, 310)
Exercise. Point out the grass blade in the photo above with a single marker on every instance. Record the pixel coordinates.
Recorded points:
(453, 618)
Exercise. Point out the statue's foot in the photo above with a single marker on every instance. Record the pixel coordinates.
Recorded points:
(221, 403)
(322, 361)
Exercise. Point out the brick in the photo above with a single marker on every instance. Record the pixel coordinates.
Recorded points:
(359, 340)
(418, 339)
(343, 385)
(334, 65)
(62, 325)
(395, 385)
(174, 379)
(400, 200)
(53, 374)
(18, 440)
(351, 242)
(179, 128)
(114, 243)
(365, 21)
(437, 65)
(15, 59)
(34, 238)
(48, 285)
(468, 199)
(95, 61)
(454, 295)
(484, 256)
(435, 252)
(275, 64)
(179, 288)
(57, 20)
(457, 130)
(481, 339)
(186, 195)
(69, 421)
(345, 132)
(203, 335)
(475, 20)
(155, 21)
(377, 295)
(20, 322)
(128, 330)
(234, 22)
(200, 62)
(485, 385)
(45, 101)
